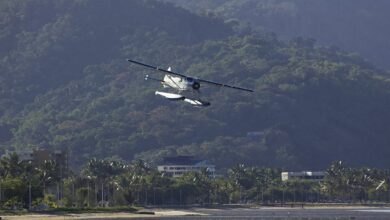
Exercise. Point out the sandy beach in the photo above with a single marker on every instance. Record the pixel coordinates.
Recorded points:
(118, 215)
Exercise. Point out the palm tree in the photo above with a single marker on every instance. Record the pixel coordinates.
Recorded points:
(49, 172)
(103, 171)
(336, 179)
(12, 166)
(140, 167)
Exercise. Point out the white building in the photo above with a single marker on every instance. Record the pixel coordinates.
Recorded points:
(177, 166)
(304, 175)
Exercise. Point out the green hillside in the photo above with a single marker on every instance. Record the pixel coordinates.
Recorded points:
(354, 25)
(65, 84)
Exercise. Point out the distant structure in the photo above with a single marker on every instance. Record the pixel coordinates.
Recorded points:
(37, 156)
(179, 165)
(304, 175)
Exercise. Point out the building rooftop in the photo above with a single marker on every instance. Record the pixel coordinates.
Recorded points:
(181, 160)
(308, 175)
(179, 165)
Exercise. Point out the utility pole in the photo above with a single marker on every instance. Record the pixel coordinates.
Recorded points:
(146, 199)
(154, 195)
(73, 200)
(44, 184)
(262, 195)
(318, 195)
(171, 196)
(209, 197)
(113, 194)
(180, 197)
(58, 192)
(102, 194)
(240, 195)
(29, 187)
(29, 195)
(96, 193)
(88, 194)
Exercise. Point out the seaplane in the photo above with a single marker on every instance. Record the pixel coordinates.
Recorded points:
(183, 84)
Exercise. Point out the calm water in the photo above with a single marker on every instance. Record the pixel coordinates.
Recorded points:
(288, 213)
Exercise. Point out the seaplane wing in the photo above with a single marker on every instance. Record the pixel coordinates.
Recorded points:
(224, 85)
(158, 69)
(189, 78)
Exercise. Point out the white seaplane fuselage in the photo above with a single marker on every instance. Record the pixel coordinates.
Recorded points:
(181, 84)
(175, 83)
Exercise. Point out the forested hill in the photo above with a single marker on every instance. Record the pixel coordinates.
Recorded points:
(65, 84)
(362, 26)
(46, 44)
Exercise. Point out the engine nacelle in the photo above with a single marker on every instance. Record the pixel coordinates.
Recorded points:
(193, 83)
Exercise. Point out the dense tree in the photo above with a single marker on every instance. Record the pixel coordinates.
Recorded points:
(354, 25)
(74, 90)
(114, 184)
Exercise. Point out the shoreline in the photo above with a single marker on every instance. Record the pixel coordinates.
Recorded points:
(155, 212)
